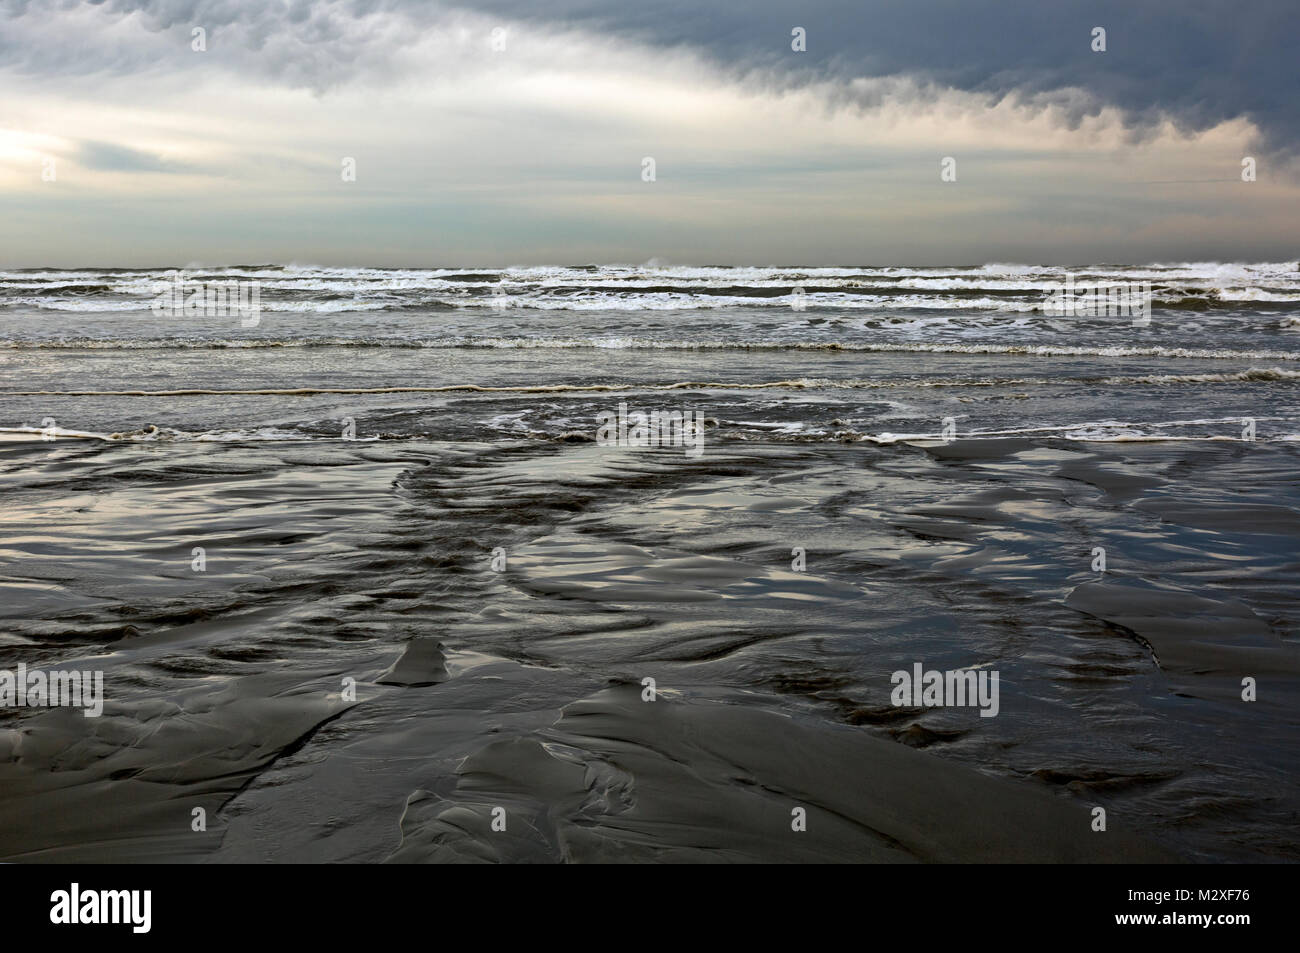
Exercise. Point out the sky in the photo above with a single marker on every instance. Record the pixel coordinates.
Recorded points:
(143, 133)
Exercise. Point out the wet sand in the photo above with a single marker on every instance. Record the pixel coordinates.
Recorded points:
(331, 563)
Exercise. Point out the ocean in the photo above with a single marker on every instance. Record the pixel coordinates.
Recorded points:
(364, 584)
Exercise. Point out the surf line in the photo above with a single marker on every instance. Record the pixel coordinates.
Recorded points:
(658, 428)
(444, 389)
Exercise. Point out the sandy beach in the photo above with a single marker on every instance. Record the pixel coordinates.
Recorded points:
(388, 638)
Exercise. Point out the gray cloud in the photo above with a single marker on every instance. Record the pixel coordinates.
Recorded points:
(109, 157)
(1196, 62)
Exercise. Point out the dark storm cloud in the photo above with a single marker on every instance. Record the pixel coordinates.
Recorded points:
(1197, 62)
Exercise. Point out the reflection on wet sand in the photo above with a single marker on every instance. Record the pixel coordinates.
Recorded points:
(349, 679)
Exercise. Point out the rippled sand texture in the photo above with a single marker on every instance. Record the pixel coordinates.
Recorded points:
(522, 689)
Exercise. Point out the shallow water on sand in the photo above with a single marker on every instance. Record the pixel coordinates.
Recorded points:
(224, 688)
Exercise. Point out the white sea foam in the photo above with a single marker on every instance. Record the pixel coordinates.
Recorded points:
(993, 287)
(629, 343)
